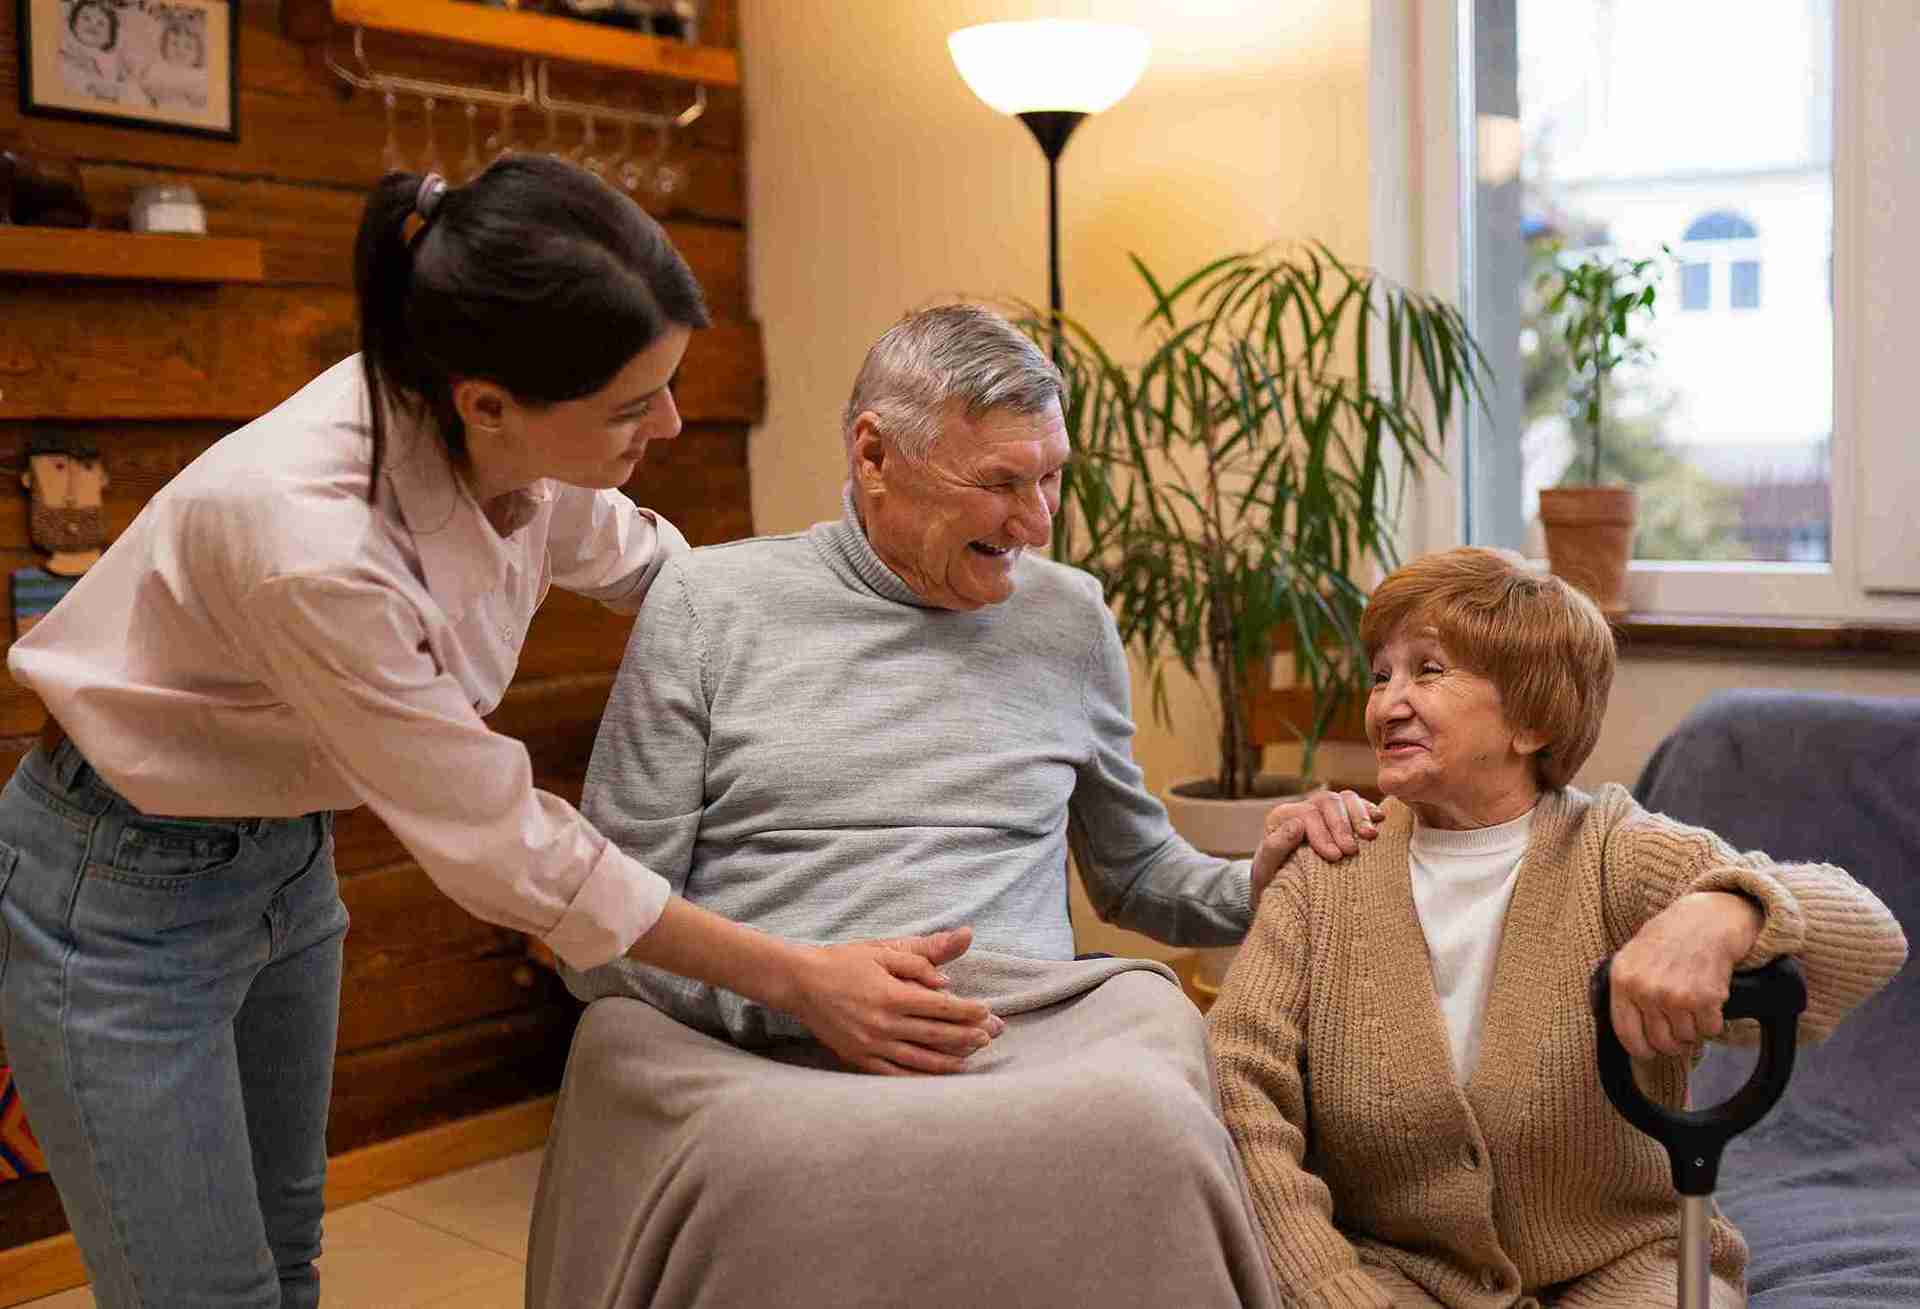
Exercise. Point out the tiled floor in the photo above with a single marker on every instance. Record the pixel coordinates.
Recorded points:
(459, 1240)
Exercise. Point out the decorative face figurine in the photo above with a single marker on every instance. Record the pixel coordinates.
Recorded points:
(68, 520)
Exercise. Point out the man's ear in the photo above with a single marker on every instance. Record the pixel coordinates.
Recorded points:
(867, 451)
(482, 405)
(1529, 743)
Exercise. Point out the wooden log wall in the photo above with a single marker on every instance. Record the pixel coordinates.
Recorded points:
(441, 1015)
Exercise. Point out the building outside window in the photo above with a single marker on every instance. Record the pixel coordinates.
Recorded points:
(1696, 286)
(1642, 132)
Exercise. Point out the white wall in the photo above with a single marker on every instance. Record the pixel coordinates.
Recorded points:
(878, 183)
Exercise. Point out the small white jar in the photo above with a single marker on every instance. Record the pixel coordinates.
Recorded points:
(170, 207)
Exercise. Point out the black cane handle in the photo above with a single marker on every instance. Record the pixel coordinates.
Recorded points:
(1775, 995)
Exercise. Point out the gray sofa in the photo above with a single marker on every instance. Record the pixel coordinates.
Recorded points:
(1827, 1188)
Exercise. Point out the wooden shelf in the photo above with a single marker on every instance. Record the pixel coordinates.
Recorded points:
(128, 256)
(543, 36)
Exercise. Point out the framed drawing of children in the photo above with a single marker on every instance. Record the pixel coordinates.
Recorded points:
(165, 64)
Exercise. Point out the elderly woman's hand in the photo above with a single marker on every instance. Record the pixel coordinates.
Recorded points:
(1670, 981)
(1333, 823)
(882, 1006)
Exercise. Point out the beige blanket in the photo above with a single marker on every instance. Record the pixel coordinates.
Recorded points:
(1080, 1161)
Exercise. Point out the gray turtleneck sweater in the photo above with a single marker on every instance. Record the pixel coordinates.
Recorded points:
(795, 741)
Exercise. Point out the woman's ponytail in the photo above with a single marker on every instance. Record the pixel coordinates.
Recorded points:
(536, 276)
(382, 273)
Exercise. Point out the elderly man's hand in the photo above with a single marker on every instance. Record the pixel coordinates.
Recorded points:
(882, 1006)
(1333, 823)
(1670, 981)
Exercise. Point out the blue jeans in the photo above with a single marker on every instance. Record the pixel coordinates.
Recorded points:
(170, 992)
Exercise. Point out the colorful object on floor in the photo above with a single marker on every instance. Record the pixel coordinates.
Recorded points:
(20, 1154)
(35, 592)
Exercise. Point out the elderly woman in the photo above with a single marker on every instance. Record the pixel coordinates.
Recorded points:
(890, 725)
(1404, 1048)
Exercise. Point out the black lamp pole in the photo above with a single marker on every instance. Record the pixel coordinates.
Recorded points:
(1051, 128)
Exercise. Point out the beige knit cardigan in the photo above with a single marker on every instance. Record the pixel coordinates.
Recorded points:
(1360, 1146)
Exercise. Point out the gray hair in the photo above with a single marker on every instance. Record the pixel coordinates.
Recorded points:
(935, 359)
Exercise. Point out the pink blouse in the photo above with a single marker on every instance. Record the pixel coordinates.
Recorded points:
(263, 642)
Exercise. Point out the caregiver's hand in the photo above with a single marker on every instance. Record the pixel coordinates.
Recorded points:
(1333, 823)
(882, 1006)
(1670, 980)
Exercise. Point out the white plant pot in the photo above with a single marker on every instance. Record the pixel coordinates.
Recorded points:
(1231, 829)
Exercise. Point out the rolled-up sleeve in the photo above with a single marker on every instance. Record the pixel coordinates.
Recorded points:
(605, 547)
(351, 655)
(1847, 941)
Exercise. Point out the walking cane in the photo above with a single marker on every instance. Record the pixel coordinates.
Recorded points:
(1694, 1138)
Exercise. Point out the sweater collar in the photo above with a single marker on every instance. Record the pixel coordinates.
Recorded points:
(845, 547)
(1448, 843)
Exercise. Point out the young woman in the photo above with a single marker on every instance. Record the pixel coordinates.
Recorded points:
(314, 615)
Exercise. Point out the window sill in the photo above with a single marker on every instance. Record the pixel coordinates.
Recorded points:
(1765, 635)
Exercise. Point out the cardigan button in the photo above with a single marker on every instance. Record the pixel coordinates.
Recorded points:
(1489, 1279)
(1470, 1156)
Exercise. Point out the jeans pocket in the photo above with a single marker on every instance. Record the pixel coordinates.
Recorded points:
(165, 851)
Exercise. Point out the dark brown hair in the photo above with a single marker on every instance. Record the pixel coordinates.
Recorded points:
(536, 276)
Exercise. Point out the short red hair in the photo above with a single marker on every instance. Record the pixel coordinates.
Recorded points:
(1544, 645)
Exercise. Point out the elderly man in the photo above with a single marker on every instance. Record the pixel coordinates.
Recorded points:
(891, 725)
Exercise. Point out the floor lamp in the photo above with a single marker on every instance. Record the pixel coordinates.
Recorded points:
(1050, 73)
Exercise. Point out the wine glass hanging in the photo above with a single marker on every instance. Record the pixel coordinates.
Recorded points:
(470, 162)
(650, 174)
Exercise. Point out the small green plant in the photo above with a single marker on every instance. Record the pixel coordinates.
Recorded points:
(1681, 513)
(1594, 301)
(1244, 480)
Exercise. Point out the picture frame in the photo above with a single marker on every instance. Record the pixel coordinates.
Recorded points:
(166, 65)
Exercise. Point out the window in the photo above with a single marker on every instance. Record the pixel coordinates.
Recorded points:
(1696, 286)
(1629, 135)
(1727, 238)
(1444, 210)
(1720, 225)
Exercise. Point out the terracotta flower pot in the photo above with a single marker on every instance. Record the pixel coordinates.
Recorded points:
(1590, 539)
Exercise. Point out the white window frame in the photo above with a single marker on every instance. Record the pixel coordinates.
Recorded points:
(1416, 114)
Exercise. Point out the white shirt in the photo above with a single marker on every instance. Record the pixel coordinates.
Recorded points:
(1462, 884)
(262, 642)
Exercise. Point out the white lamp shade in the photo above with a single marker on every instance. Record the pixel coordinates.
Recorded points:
(1050, 63)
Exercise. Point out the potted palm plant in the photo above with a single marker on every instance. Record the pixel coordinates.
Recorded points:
(1236, 492)
(1594, 302)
